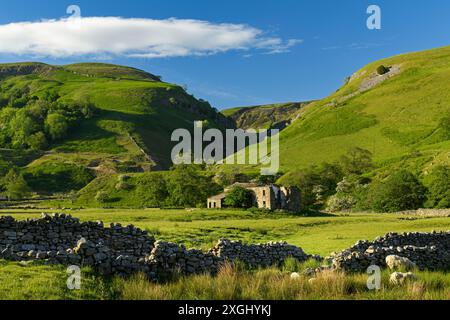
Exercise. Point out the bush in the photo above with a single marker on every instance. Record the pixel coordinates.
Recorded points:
(102, 197)
(151, 190)
(357, 161)
(189, 187)
(316, 183)
(444, 124)
(382, 70)
(123, 186)
(401, 191)
(338, 203)
(15, 185)
(239, 197)
(438, 183)
(58, 177)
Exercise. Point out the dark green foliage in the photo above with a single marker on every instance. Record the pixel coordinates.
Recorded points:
(239, 197)
(357, 161)
(400, 191)
(102, 197)
(438, 183)
(58, 177)
(306, 180)
(151, 190)
(15, 185)
(37, 123)
(382, 70)
(316, 183)
(351, 194)
(189, 187)
(56, 125)
(444, 124)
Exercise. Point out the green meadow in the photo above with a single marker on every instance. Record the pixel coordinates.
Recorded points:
(199, 228)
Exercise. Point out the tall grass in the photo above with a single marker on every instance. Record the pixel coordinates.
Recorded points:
(275, 284)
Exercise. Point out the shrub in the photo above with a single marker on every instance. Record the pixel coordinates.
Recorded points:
(56, 126)
(401, 191)
(316, 183)
(151, 190)
(189, 187)
(338, 203)
(56, 176)
(382, 70)
(15, 185)
(438, 183)
(444, 124)
(239, 197)
(123, 186)
(357, 161)
(102, 197)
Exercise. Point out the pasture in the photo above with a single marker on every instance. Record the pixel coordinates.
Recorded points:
(199, 228)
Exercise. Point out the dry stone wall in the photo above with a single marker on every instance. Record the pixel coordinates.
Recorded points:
(427, 250)
(62, 239)
(258, 255)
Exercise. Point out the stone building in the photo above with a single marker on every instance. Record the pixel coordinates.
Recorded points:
(271, 197)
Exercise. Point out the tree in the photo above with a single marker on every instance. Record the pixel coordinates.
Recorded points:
(102, 197)
(15, 185)
(239, 197)
(21, 127)
(350, 194)
(56, 126)
(382, 70)
(189, 187)
(38, 141)
(401, 191)
(306, 180)
(152, 190)
(438, 183)
(357, 161)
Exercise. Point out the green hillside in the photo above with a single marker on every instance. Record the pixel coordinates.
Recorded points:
(272, 116)
(402, 117)
(116, 118)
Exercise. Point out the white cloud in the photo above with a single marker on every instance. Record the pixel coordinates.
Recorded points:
(146, 38)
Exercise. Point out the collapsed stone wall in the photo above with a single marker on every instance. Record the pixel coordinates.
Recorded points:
(62, 239)
(258, 255)
(427, 250)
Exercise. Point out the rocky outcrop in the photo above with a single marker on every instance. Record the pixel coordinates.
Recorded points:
(20, 69)
(426, 250)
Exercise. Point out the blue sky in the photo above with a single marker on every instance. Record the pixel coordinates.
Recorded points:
(313, 44)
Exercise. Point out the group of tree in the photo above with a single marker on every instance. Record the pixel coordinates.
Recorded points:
(31, 122)
(185, 186)
(14, 186)
(350, 184)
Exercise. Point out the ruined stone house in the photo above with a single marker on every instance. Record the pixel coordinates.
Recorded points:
(271, 197)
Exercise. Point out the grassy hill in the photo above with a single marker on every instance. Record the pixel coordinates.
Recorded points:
(135, 112)
(277, 116)
(396, 116)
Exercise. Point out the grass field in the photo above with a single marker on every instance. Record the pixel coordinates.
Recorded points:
(200, 228)
(319, 234)
(397, 120)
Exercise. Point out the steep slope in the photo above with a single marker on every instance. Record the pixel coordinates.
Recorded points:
(273, 116)
(134, 112)
(397, 116)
